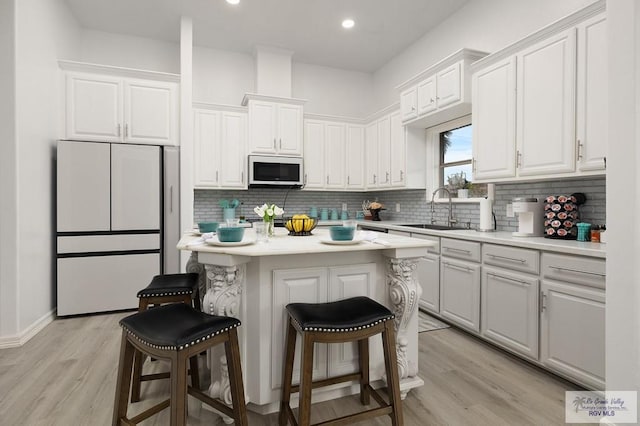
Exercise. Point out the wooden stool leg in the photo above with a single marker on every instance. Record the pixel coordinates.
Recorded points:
(306, 378)
(123, 381)
(232, 351)
(194, 371)
(196, 300)
(143, 305)
(178, 416)
(391, 367)
(287, 374)
(363, 350)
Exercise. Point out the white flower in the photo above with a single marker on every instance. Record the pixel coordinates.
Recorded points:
(259, 210)
(277, 210)
(269, 212)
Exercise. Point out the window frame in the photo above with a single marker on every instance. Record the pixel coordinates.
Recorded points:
(433, 161)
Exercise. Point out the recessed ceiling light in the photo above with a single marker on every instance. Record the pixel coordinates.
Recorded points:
(233, 1)
(348, 23)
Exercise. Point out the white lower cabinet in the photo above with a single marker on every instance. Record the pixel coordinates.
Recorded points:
(428, 273)
(572, 335)
(460, 293)
(510, 310)
(460, 283)
(318, 285)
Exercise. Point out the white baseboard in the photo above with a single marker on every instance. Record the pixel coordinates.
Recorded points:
(22, 338)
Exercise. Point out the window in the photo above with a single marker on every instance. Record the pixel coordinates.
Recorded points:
(451, 159)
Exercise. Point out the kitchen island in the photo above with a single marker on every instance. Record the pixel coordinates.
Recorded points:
(255, 282)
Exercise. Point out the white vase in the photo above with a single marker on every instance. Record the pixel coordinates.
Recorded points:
(463, 193)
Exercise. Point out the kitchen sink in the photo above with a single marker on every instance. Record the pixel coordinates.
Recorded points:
(434, 227)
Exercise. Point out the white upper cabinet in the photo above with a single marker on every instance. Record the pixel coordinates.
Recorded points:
(426, 96)
(545, 106)
(540, 105)
(398, 150)
(334, 154)
(371, 141)
(384, 152)
(275, 127)
(355, 157)
(439, 93)
(592, 113)
(314, 177)
(494, 121)
(220, 153)
(103, 107)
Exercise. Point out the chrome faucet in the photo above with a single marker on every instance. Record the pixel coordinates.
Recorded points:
(450, 219)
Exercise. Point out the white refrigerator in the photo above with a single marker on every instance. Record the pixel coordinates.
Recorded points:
(117, 223)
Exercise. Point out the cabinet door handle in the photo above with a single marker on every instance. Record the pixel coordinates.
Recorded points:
(495, 256)
(543, 301)
(579, 153)
(473, 165)
(401, 175)
(374, 178)
(305, 178)
(216, 176)
(119, 129)
(327, 179)
(457, 250)
(558, 268)
(126, 130)
(280, 143)
(348, 179)
(432, 101)
(518, 158)
(508, 279)
(459, 268)
(386, 181)
(242, 176)
(274, 143)
(413, 108)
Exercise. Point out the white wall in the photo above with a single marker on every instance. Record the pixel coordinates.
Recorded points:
(8, 173)
(623, 180)
(45, 31)
(129, 51)
(486, 25)
(222, 77)
(333, 91)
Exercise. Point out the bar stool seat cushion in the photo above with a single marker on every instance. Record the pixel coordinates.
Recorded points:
(170, 285)
(344, 315)
(176, 326)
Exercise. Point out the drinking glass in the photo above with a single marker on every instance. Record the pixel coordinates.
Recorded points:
(261, 231)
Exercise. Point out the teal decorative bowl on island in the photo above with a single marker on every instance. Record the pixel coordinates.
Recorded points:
(342, 233)
(230, 234)
(207, 226)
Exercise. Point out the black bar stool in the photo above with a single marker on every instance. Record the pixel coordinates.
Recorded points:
(354, 319)
(177, 332)
(169, 288)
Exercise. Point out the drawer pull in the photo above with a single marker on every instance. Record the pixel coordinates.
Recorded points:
(457, 250)
(511, 259)
(543, 303)
(459, 268)
(500, 277)
(558, 268)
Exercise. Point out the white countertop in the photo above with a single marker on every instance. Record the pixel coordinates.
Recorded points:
(283, 244)
(580, 248)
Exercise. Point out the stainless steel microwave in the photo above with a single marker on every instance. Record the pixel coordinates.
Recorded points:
(265, 170)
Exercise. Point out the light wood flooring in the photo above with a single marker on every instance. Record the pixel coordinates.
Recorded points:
(66, 376)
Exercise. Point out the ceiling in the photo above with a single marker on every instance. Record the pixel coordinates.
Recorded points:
(309, 28)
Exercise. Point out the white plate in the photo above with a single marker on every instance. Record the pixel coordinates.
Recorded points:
(194, 232)
(215, 242)
(340, 243)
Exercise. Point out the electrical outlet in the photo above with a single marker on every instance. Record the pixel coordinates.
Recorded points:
(510, 210)
(397, 207)
(344, 206)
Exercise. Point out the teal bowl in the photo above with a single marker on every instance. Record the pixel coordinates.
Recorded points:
(342, 233)
(230, 234)
(207, 226)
